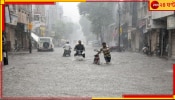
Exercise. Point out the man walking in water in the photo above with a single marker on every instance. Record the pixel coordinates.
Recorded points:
(106, 53)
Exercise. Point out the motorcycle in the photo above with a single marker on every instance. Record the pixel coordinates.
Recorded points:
(145, 50)
(80, 55)
(157, 51)
(96, 58)
(67, 52)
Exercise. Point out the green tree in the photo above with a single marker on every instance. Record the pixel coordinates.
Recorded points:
(64, 29)
(100, 14)
(59, 29)
(86, 26)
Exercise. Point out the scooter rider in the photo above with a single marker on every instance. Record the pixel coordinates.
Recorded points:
(67, 47)
(80, 47)
(145, 49)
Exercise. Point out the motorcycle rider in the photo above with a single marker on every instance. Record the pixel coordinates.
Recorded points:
(145, 49)
(67, 47)
(80, 47)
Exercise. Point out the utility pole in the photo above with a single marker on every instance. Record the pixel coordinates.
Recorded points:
(119, 27)
(4, 41)
(30, 28)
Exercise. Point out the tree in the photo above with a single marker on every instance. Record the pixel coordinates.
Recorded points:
(59, 29)
(100, 14)
(64, 29)
(85, 25)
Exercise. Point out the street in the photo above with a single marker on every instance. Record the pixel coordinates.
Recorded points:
(50, 74)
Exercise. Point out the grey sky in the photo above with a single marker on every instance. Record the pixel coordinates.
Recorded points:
(70, 9)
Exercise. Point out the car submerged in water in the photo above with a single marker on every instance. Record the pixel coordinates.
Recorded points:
(45, 44)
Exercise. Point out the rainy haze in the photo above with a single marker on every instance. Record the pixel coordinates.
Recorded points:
(92, 49)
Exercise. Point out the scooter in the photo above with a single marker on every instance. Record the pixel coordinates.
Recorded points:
(67, 52)
(80, 55)
(96, 58)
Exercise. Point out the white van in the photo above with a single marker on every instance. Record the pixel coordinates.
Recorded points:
(45, 44)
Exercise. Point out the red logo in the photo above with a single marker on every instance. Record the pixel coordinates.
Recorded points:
(154, 4)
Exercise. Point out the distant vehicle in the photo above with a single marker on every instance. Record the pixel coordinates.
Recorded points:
(96, 43)
(90, 42)
(114, 47)
(45, 44)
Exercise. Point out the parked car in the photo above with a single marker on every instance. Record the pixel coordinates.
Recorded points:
(45, 44)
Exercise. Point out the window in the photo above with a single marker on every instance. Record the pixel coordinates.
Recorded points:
(36, 17)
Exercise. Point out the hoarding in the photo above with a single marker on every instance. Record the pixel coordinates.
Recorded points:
(170, 22)
(160, 14)
(7, 15)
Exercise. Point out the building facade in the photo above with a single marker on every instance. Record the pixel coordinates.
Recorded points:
(53, 14)
(16, 30)
(154, 29)
(39, 20)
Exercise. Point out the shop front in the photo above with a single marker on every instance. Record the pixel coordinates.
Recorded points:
(171, 31)
(173, 44)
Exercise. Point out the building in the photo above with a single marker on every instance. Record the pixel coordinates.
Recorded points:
(39, 20)
(16, 31)
(163, 25)
(171, 32)
(53, 14)
(10, 26)
(156, 29)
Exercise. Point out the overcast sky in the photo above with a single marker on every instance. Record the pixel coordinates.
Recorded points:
(70, 9)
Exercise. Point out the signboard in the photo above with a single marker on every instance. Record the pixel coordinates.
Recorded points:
(160, 14)
(145, 30)
(25, 28)
(37, 17)
(121, 30)
(42, 28)
(148, 22)
(129, 34)
(142, 23)
(7, 15)
(161, 5)
(11, 7)
(52, 33)
(171, 22)
(14, 19)
(157, 24)
(30, 26)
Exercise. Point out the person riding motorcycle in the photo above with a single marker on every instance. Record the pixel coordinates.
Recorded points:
(79, 47)
(145, 49)
(67, 47)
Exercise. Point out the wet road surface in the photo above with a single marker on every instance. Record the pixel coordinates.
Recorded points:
(50, 74)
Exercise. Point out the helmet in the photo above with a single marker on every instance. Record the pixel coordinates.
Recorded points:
(104, 43)
(67, 42)
(79, 41)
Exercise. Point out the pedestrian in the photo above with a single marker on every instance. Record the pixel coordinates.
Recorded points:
(106, 53)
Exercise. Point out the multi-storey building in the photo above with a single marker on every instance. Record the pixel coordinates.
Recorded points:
(163, 24)
(39, 20)
(54, 13)
(16, 30)
(152, 28)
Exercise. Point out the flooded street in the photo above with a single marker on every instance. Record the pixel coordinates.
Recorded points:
(50, 74)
